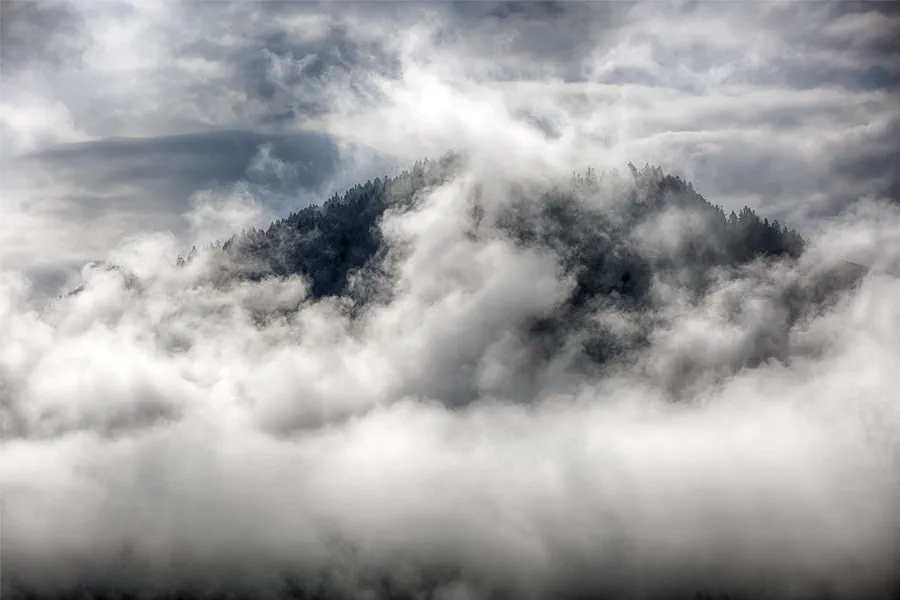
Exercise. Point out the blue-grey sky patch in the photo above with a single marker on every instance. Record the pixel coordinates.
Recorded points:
(186, 163)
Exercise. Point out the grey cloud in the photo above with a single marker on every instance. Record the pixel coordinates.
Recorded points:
(554, 37)
(874, 160)
(156, 176)
(163, 436)
(853, 46)
(112, 189)
(305, 61)
(191, 161)
(40, 34)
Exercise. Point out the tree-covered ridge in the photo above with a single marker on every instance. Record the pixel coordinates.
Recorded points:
(616, 235)
(331, 242)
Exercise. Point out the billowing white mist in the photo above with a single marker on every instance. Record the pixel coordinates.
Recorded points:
(167, 433)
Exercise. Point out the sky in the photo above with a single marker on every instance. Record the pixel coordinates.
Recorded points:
(117, 115)
(161, 436)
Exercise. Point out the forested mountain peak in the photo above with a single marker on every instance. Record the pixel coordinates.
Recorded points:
(591, 216)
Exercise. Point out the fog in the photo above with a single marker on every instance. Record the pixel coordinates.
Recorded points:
(165, 432)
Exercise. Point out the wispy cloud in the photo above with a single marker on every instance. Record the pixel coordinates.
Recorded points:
(165, 430)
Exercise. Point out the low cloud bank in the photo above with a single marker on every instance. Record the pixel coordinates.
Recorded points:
(169, 431)
(165, 431)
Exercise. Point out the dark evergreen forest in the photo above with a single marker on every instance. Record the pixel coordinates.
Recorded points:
(592, 222)
(330, 243)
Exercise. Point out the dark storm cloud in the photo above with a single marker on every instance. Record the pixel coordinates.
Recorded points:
(40, 34)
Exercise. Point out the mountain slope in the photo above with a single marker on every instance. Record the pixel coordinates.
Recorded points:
(329, 243)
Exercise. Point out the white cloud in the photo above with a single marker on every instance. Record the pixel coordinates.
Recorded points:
(166, 427)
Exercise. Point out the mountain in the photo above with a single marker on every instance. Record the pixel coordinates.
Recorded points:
(331, 243)
(616, 234)
(620, 237)
(631, 244)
